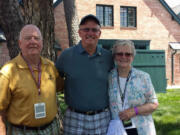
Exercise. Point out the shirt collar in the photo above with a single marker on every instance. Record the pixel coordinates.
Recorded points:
(22, 64)
(82, 50)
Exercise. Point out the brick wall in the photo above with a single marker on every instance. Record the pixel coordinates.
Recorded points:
(154, 23)
(177, 68)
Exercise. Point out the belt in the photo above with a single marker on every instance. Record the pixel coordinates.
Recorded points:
(89, 112)
(32, 128)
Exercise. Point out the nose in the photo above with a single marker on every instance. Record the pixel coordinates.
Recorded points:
(124, 56)
(33, 39)
(90, 32)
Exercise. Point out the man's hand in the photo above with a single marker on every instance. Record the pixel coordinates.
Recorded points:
(2, 124)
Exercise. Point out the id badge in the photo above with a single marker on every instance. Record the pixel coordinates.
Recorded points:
(40, 110)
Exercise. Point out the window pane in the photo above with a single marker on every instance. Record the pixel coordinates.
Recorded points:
(99, 14)
(123, 17)
(105, 15)
(131, 17)
(108, 16)
(128, 16)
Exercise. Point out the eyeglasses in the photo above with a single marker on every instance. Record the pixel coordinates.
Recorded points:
(27, 38)
(90, 29)
(120, 54)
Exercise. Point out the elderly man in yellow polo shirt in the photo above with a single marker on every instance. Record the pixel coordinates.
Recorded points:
(28, 89)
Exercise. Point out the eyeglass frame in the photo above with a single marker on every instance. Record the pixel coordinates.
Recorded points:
(126, 54)
(95, 30)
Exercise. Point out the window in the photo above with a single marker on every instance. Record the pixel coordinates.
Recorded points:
(105, 15)
(128, 16)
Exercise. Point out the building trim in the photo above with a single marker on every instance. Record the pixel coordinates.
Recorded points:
(57, 3)
(175, 17)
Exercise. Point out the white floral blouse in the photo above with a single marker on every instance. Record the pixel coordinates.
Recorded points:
(139, 90)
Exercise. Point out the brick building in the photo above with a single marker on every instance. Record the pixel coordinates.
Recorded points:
(152, 23)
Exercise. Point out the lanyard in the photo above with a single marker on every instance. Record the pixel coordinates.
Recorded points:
(38, 83)
(121, 93)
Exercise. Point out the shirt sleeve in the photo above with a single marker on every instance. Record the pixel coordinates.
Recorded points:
(150, 92)
(5, 94)
(59, 81)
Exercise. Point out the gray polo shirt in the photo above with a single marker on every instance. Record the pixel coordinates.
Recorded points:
(86, 77)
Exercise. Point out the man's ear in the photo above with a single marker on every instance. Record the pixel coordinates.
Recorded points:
(100, 33)
(19, 43)
(79, 32)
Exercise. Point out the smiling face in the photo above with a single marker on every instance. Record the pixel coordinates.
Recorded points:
(89, 33)
(30, 41)
(124, 56)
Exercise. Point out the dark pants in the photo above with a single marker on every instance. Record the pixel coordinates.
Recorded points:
(132, 131)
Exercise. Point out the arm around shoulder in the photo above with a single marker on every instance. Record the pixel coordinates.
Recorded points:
(59, 83)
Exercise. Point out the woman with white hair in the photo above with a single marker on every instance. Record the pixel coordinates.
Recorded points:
(131, 94)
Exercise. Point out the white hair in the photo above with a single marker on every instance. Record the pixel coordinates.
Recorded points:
(124, 43)
(27, 26)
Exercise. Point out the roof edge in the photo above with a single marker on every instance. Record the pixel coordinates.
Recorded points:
(170, 11)
(57, 3)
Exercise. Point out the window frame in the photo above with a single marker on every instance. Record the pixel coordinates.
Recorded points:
(111, 20)
(127, 17)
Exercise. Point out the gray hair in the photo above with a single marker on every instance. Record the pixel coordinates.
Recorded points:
(124, 43)
(29, 26)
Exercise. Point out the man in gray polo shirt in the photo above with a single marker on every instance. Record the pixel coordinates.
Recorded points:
(85, 68)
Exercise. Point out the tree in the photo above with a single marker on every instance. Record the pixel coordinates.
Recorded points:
(14, 16)
(38, 12)
(11, 21)
(72, 21)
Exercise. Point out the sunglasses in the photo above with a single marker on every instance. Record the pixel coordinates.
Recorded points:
(120, 54)
(90, 29)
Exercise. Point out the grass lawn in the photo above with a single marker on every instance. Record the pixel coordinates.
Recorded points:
(167, 116)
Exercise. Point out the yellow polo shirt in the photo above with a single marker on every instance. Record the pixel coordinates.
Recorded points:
(19, 93)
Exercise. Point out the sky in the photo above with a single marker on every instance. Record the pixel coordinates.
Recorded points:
(173, 3)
